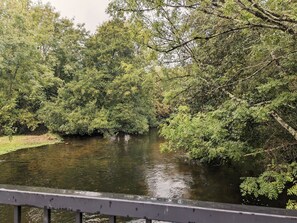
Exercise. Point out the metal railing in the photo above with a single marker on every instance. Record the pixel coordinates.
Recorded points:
(139, 207)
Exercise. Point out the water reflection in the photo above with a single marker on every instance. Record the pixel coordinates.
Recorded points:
(122, 164)
(163, 180)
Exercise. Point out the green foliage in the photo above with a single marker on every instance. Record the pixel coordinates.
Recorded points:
(54, 73)
(17, 71)
(224, 71)
(36, 48)
(230, 67)
(292, 204)
(274, 181)
(206, 136)
(112, 93)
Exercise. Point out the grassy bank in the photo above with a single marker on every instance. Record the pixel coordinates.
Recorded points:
(14, 143)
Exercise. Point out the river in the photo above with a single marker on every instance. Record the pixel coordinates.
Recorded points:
(123, 164)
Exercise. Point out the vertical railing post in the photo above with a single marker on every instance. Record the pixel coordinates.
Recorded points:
(47, 215)
(17, 214)
(112, 219)
(78, 217)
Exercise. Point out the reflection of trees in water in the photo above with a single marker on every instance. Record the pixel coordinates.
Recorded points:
(217, 183)
(124, 164)
(164, 181)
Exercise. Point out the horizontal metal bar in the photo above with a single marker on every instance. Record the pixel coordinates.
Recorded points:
(142, 207)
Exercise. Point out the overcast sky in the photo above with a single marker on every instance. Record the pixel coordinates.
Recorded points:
(90, 12)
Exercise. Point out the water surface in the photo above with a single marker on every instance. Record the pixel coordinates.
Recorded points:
(122, 164)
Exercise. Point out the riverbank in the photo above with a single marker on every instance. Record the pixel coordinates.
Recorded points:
(14, 143)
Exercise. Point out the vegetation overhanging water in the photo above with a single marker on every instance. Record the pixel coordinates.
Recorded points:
(122, 164)
(218, 77)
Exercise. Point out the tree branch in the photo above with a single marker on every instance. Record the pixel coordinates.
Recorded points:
(265, 17)
(285, 125)
(273, 15)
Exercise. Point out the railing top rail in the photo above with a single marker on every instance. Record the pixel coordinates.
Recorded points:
(176, 210)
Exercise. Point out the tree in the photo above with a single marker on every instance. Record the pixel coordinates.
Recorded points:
(39, 52)
(19, 97)
(233, 68)
(112, 93)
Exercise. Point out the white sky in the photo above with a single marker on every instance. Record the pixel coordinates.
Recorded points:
(90, 12)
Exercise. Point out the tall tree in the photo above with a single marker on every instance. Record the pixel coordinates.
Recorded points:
(233, 67)
(112, 93)
(39, 53)
(18, 59)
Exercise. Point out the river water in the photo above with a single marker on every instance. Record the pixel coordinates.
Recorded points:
(123, 164)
